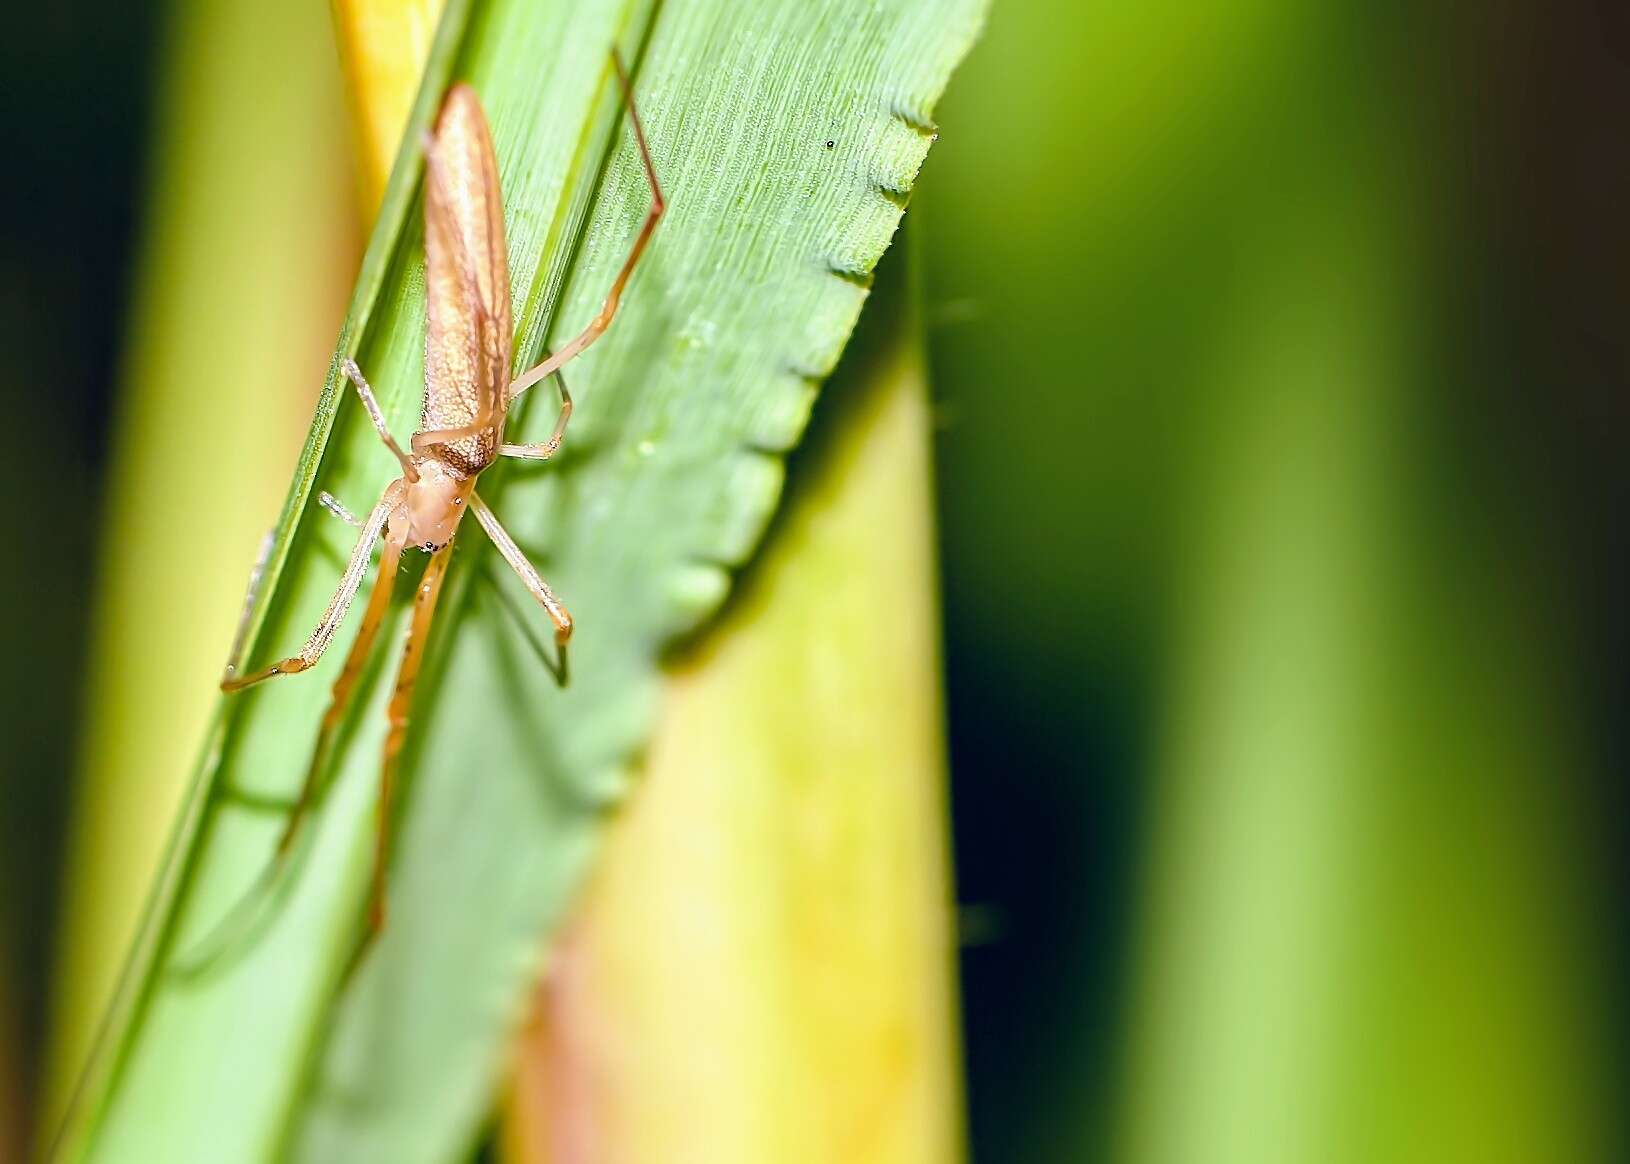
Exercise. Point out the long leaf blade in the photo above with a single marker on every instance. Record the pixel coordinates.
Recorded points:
(787, 137)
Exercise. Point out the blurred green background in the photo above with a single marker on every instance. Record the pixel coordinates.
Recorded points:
(1281, 361)
(74, 102)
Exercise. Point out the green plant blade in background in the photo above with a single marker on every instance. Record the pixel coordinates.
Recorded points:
(1361, 938)
(248, 253)
(786, 141)
(1342, 953)
(1311, 890)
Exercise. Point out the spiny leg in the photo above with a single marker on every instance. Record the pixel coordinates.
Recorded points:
(551, 446)
(608, 309)
(529, 575)
(337, 605)
(354, 374)
(401, 704)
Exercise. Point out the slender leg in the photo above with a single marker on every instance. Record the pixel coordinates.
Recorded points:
(600, 322)
(378, 602)
(424, 609)
(485, 424)
(480, 426)
(337, 606)
(551, 446)
(529, 575)
(331, 503)
(354, 374)
(338, 508)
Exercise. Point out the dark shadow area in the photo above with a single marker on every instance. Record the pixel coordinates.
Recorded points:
(75, 104)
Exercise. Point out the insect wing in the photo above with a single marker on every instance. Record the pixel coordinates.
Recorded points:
(468, 336)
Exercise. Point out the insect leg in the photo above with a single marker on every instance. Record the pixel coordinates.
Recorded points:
(337, 606)
(424, 610)
(378, 602)
(551, 446)
(333, 504)
(354, 374)
(601, 321)
(529, 575)
(451, 436)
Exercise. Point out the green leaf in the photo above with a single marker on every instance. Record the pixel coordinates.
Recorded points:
(787, 138)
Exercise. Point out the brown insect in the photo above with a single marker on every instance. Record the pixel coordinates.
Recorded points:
(468, 340)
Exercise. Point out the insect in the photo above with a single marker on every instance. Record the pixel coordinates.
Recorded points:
(468, 391)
